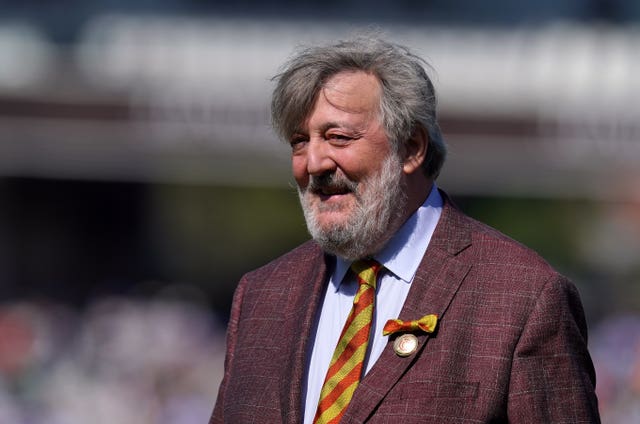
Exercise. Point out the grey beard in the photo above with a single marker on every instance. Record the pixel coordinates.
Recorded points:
(373, 222)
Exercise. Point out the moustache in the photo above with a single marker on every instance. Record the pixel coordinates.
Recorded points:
(331, 184)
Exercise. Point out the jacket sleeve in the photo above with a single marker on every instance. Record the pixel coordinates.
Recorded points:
(232, 329)
(552, 376)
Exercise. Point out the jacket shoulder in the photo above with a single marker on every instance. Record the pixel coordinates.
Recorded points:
(495, 257)
(493, 246)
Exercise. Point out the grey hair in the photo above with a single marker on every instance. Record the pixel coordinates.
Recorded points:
(408, 100)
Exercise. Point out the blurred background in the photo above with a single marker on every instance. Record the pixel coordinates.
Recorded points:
(139, 178)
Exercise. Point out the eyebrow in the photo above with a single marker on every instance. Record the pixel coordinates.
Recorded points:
(329, 125)
(333, 124)
(324, 127)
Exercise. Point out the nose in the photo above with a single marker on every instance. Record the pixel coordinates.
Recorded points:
(319, 159)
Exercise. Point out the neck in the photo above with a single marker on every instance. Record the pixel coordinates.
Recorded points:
(418, 188)
(416, 191)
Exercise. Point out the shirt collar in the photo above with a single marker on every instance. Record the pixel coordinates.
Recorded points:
(403, 253)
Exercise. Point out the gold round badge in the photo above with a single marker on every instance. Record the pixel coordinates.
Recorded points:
(405, 344)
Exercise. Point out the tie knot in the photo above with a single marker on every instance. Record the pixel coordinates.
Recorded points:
(367, 271)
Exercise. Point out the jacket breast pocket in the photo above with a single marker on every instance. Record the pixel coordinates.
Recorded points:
(428, 401)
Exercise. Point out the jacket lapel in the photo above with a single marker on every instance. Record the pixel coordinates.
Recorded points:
(434, 286)
(300, 316)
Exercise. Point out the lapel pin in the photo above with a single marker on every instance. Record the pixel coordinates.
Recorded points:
(405, 344)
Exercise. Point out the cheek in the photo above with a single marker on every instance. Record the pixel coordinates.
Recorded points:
(299, 170)
(356, 168)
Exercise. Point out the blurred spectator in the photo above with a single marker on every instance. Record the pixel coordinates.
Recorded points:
(615, 347)
(120, 361)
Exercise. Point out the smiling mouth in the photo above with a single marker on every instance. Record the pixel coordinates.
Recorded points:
(330, 197)
(333, 191)
(326, 193)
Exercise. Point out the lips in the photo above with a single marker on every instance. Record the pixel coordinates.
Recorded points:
(331, 191)
(330, 195)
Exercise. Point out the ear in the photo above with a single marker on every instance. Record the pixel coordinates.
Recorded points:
(415, 150)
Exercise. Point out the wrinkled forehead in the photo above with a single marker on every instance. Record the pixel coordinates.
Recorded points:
(297, 95)
(352, 91)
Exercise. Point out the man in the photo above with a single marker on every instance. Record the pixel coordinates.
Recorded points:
(502, 336)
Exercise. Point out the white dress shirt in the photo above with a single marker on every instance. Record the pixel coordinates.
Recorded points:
(400, 258)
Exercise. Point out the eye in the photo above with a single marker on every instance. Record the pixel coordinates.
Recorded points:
(298, 141)
(338, 138)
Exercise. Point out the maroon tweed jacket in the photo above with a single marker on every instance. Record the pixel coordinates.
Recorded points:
(511, 342)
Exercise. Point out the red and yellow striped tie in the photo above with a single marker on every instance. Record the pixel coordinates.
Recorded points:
(345, 369)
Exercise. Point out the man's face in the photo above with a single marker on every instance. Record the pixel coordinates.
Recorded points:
(348, 176)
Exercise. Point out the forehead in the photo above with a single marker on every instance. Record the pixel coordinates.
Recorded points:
(352, 91)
